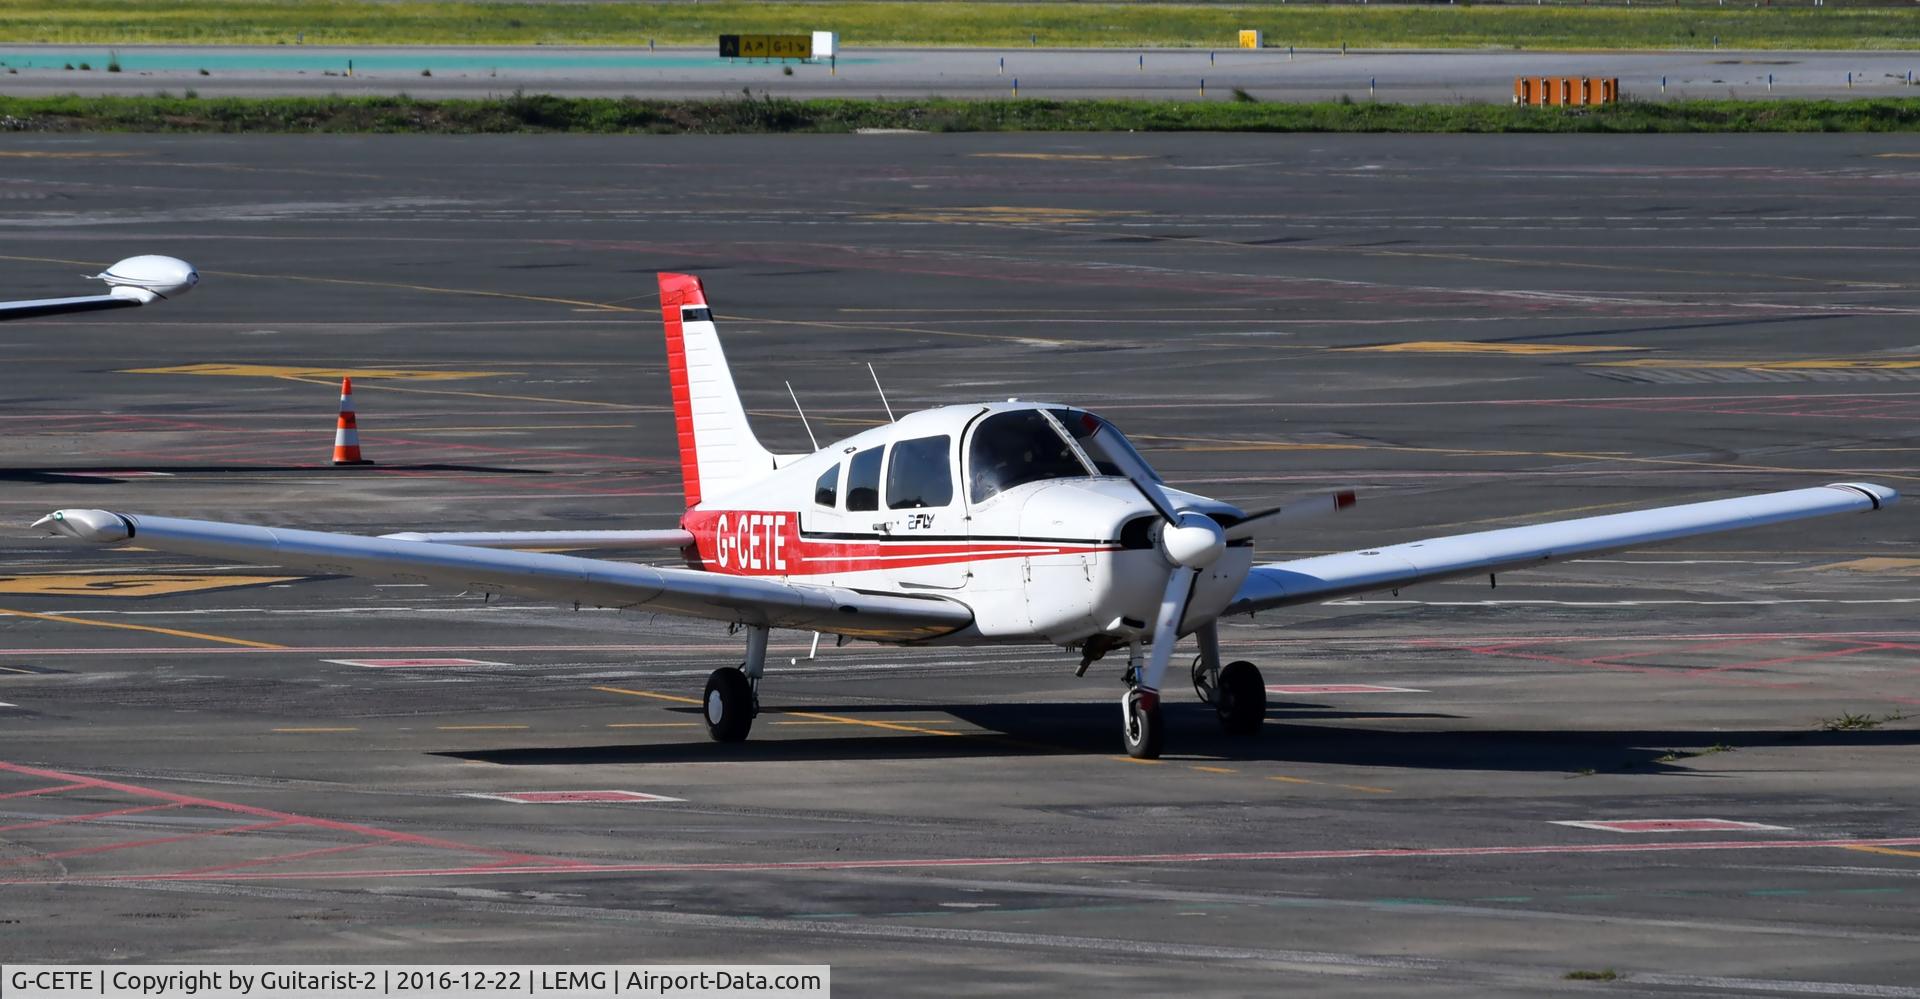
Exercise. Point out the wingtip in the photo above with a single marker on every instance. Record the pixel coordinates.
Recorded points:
(1882, 496)
(98, 526)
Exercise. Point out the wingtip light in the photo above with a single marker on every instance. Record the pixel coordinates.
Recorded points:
(99, 526)
(149, 276)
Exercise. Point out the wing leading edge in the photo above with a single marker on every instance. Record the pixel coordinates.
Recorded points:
(1325, 577)
(564, 578)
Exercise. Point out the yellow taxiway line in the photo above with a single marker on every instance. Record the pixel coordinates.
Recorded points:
(175, 632)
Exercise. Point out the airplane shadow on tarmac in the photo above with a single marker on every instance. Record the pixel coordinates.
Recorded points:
(109, 474)
(1084, 728)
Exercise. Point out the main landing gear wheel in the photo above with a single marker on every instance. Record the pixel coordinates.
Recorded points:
(1241, 700)
(1143, 732)
(730, 707)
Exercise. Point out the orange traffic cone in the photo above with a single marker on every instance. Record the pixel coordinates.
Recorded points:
(346, 434)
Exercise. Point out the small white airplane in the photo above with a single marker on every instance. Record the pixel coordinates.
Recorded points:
(132, 282)
(990, 523)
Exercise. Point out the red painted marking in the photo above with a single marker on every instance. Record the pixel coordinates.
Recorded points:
(278, 858)
(1672, 825)
(569, 797)
(1558, 849)
(280, 818)
(412, 663)
(136, 843)
(1510, 648)
(52, 789)
(1337, 688)
(89, 817)
(1810, 657)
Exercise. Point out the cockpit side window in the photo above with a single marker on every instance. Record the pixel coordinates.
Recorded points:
(826, 491)
(1013, 448)
(1100, 439)
(863, 480)
(920, 473)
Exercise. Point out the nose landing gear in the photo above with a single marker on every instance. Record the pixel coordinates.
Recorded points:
(1237, 692)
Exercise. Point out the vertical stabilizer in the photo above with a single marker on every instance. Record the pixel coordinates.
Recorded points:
(718, 452)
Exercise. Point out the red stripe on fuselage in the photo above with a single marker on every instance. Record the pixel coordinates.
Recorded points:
(769, 543)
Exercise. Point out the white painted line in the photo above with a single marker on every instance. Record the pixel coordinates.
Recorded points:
(1673, 825)
(4, 704)
(1360, 602)
(575, 797)
(1338, 688)
(411, 663)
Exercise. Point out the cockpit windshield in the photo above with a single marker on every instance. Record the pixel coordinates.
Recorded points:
(1016, 447)
(1111, 452)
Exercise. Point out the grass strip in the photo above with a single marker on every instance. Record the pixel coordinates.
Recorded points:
(755, 115)
(1697, 24)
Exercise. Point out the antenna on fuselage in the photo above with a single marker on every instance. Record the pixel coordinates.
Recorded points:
(883, 392)
(803, 417)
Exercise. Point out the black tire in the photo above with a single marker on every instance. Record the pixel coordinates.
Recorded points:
(1143, 732)
(1241, 701)
(729, 705)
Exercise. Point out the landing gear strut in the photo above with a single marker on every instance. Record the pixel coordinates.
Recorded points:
(1236, 691)
(733, 692)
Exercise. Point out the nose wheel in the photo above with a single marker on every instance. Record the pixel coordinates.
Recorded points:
(1142, 730)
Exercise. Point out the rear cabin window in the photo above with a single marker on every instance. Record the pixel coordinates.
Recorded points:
(920, 473)
(863, 480)
(826, 492)
(1014, 448)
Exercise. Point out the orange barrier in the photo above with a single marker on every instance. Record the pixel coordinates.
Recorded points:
(1574, 91)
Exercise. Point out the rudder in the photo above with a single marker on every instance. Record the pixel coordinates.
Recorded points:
(718, 451)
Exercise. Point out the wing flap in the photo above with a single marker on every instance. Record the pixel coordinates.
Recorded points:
(1325, 577)
(565, 578)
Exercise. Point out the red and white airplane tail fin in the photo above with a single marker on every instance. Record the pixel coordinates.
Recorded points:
(718, 451)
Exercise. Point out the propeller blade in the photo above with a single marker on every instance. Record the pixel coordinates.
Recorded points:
(1166, 627)
(1131, 465)
(1156, 497)
(1318, 506)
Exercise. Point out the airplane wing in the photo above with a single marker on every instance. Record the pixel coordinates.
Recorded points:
(61, 306)
(1325, 577)
(602, 540)
(566, 578)
(132, 282)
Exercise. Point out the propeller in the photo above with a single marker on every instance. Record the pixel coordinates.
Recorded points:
(1191, 541)
(1256, 525)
